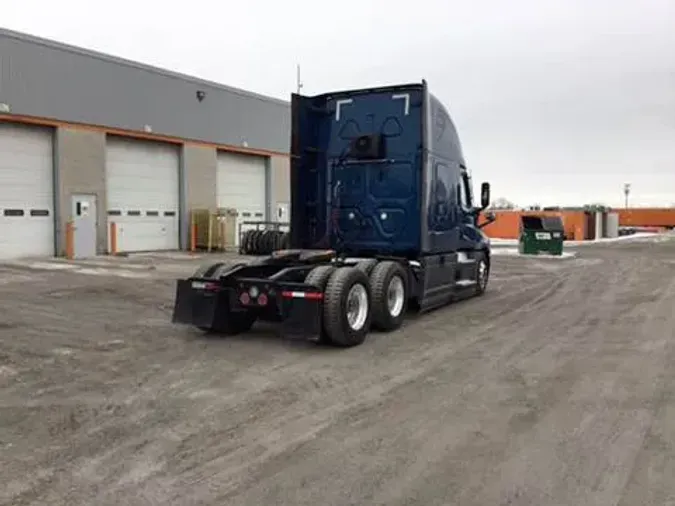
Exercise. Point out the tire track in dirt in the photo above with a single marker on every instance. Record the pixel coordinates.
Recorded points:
(582, 451)
(650, 479)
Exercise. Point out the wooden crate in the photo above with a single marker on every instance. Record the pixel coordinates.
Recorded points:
(214, 230)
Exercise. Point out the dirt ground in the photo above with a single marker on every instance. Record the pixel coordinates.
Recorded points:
(555, 388)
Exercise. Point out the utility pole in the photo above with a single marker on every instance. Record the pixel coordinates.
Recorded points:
(298, 81)
(626, 192)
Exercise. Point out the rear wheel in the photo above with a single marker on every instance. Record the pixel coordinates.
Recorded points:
(215, 270)
(389, 282)
(367, 266)
(482, 273)
(346, 312)
(224, 268)
(207, 270)
(318, 277)
(229, 323)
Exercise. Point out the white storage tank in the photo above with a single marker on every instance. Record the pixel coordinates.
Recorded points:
(612, 229)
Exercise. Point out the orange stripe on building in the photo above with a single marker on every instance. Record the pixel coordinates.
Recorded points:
(133, 134)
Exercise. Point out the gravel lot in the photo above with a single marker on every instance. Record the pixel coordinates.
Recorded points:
(555, 388)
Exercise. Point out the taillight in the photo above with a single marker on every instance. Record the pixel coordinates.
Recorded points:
(302, 295)
(262, 299)
(244, 298)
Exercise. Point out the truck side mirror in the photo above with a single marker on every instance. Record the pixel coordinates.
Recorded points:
(484, 195)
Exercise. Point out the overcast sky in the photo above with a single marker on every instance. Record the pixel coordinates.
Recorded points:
(556, 101)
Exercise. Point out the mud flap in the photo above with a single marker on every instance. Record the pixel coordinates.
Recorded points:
(197, 307)
(303, 318)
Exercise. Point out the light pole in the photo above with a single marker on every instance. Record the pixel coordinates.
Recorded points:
(626, 192)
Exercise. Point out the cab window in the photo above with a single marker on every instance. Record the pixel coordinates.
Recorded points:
(464, 191)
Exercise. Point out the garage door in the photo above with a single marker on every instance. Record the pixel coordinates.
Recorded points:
(142, 193)
(26, 191)
(241, 185)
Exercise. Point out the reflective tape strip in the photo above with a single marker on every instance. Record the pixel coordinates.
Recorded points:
(302, 295)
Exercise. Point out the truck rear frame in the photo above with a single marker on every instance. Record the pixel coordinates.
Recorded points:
(318, 294)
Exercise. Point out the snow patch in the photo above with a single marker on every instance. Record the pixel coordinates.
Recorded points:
(516, 252)
(113, 263)
(112, 272)
(52, 266)
(639, 236)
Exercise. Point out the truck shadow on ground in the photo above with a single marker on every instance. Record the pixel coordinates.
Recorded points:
(264, 333)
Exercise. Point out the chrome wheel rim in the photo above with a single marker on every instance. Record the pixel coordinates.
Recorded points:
(395, 296)
(482, 274)
(357, 306)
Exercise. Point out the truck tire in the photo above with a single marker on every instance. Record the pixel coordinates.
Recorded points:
(262, 242)
(207, 270)
(250, 247)
(318, 277)
(482, 272)
(224, 268)
(346, 309)
(229, 323)
(272, 242)
(267, 244)
(277, 240)
(255, 242)
(389, 285)
(247, 240)
(367, 265)
(214, 271)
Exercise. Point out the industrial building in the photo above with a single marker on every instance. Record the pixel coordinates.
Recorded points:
(91, 140)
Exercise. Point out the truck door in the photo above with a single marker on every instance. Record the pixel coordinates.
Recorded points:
(308, 173)
(469, 235)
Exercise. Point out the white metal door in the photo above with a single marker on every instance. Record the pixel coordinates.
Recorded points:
(241, 184)
(142, 192)
(83, 211)
(26, 191)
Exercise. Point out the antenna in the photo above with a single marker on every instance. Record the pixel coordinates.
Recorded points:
(298, 81)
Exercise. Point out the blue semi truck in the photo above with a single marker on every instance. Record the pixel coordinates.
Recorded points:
(383, 221)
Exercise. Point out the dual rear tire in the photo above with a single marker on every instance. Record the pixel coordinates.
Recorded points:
(389, 282)
(356, 298)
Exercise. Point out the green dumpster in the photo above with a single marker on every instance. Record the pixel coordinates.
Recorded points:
(541, 235)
